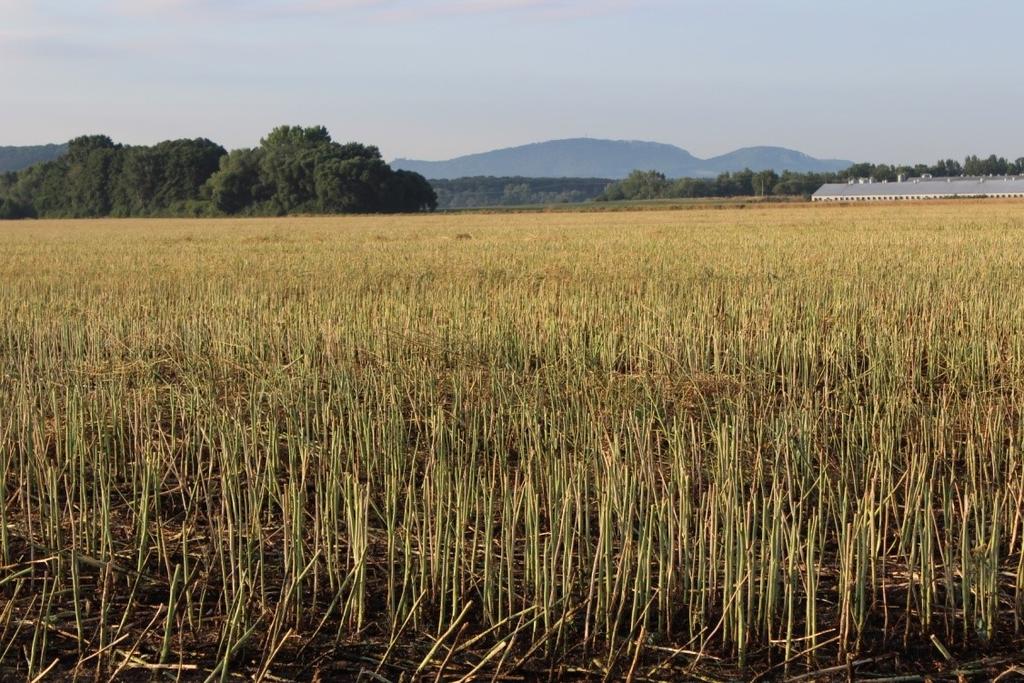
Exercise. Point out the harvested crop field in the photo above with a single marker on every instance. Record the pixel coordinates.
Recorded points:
(655, 445)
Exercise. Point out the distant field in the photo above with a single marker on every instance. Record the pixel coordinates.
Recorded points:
(697, 203)
(658, 445)
(637, 205)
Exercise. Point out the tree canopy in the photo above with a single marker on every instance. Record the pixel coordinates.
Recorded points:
(295, 169)
(747, 183)
(478, 191)
(302, 170)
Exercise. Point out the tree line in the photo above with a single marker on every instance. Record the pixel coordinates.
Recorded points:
(302, 170)
(294, 170)
(747, 183)
(479, 191)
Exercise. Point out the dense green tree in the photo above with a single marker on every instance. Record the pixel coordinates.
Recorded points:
(237, 185)
(993, 165)
(764, 182)
(479, 191)
(862, 170)
(9, 210)
(947, 168)
(350, 185)
(355, 150)
(295, 169)
(688, 188)
(408, 192)
(92, 162)
(516, 193)
(296, 137)
(7, 182)
(41, 190)
(739, 184)
(288, 161)
(302, 170)
(96, 177)
(82, 147)
(156, 179)
(643, 185)
(792, 184)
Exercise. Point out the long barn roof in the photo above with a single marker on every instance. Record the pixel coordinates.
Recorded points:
(949, 187)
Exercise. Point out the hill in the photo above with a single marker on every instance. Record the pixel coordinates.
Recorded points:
(774, 159)
(575, 158)
(590, 158)
(17, 158)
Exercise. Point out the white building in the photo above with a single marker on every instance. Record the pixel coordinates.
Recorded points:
(921, 188)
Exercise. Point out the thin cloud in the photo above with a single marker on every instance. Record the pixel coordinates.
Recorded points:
(47, 31)
(386, 10)
(554, 9)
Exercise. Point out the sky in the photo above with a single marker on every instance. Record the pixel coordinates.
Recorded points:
(892, 81)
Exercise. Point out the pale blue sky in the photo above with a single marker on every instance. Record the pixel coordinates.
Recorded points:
(910, 80)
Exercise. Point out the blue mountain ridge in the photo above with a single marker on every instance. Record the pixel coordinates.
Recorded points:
(614, 159)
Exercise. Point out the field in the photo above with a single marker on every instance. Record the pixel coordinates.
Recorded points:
(721, 444)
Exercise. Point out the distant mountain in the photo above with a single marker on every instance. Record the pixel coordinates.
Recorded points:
(774, 159)
(17, 158)
(590, 158)
(576, 158)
